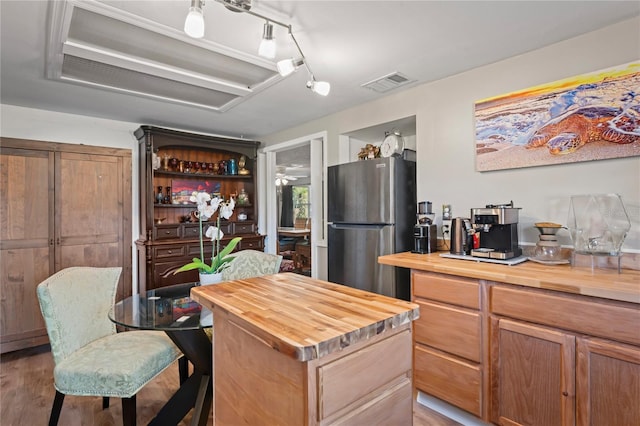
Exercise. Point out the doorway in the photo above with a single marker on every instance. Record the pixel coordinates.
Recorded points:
(293, 176)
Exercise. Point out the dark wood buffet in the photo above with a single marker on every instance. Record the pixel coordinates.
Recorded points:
(172, 164)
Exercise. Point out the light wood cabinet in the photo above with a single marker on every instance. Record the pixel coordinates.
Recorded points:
(547, 368)
(61, 205)
(366, 383)
(534, 370)
(449, 353)
(189, 162)
(608, 383)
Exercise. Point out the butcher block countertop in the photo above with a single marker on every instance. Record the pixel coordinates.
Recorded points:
(303, 317)
(604, 283)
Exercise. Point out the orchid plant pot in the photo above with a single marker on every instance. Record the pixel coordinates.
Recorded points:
(206, 316)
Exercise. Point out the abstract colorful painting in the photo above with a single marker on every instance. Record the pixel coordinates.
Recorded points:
(594, 116)
(181, 189)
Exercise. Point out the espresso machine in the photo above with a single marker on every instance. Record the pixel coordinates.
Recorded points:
(497, 228)
(425, 236)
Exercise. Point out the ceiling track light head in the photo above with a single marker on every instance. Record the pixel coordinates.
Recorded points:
(267, 47)
(287, 66)
(194, 23)
(322, 88)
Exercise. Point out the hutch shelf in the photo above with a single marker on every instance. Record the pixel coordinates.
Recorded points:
(173, 164)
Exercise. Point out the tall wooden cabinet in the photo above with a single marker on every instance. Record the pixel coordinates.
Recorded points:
(186, 162)
(61, 205)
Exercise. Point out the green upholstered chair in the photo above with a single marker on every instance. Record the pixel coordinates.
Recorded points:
(90, 357)
(251, 263)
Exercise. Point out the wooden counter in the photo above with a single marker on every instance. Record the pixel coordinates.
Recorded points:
(604, 283)
(289, 349)
(484, 327)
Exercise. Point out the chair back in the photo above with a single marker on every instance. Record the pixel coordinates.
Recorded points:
(252, 263)
(75, 304)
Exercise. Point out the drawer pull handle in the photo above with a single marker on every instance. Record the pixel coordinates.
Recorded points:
(565, 393)
(169, 251)
(167, 232)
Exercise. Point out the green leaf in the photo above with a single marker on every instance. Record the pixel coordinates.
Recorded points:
(195, 264)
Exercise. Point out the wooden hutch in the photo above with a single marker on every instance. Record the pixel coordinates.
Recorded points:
(187, 162)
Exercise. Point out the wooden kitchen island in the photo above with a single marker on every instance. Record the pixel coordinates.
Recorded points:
(527, 344)
(293, 350)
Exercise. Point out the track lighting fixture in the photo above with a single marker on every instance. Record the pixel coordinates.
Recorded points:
(287, 66)
(194, 24)
(320, 87)
(268, 44)
(194, 27)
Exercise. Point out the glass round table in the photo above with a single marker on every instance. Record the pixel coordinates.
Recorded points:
(170, 309)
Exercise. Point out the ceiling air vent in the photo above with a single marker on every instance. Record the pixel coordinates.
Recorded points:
(388, 82)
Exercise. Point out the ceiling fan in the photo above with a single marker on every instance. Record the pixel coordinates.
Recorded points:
(282, 178)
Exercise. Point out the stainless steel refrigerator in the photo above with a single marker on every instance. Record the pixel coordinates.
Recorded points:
(371, 212)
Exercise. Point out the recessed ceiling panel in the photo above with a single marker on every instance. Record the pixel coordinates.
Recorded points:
(136, 83)
(104, 47)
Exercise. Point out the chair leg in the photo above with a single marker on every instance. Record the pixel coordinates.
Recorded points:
(56, 408)
(129, 411)
(183, 369)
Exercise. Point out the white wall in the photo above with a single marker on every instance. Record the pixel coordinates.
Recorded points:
(444, 112)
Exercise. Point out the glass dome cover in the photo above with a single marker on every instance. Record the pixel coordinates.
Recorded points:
(598, 224)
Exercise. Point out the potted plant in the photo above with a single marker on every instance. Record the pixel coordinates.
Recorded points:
(211, 273)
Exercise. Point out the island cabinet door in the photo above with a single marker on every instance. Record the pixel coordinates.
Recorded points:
(607, 383)
(533, 375)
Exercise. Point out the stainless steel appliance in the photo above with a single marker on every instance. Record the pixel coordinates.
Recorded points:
(461, 239)
(425, 232)
(371, 212)
(497, 225)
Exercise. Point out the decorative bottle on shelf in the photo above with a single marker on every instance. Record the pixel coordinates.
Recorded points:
(232, 167)
(167, 198)
(243, 198)
(159, 195)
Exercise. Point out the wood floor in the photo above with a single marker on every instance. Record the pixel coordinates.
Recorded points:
(26, 395)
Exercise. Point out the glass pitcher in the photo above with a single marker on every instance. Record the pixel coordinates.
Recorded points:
(598, 224)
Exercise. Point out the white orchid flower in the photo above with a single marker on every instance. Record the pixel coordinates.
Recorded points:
(226, 209)
(200, 198)
(207, 211)
(215, 202)
(214, 233)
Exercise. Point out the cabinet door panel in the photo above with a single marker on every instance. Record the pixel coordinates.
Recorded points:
(26, 243)
(608, 383)
(534, 375)
(90, 207)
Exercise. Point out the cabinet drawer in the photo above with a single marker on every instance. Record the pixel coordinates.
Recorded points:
(363, 373)
(393, 407)
(244, 228)
(166, 232)
(193, 231)
(609, 320)
(168, 252)
(251, 243)
(193, 249)
(449, 329)
(446, 288)
(448, 378)
(163, 275)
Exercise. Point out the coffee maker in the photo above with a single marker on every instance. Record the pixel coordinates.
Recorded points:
(497, 227)
(425, 236)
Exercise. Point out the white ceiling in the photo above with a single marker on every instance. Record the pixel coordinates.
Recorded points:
(347, 43)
